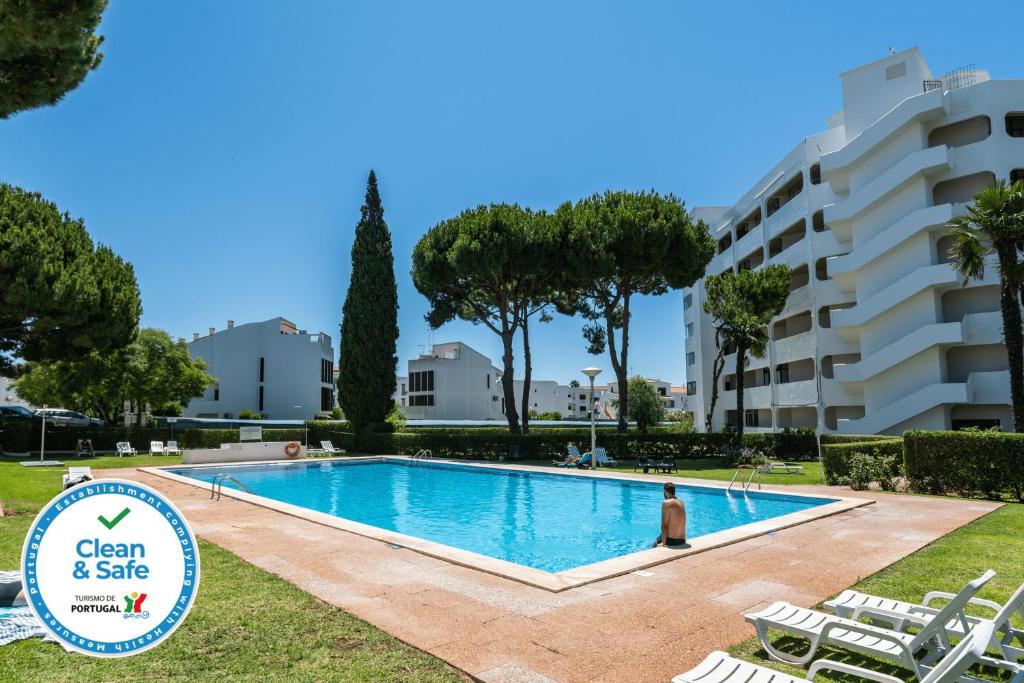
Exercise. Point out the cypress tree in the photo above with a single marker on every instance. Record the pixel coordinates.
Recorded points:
(369, 324)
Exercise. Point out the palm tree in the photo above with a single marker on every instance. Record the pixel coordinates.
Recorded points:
(994, 228)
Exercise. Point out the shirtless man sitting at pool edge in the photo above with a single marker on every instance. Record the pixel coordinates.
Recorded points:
(673, 520)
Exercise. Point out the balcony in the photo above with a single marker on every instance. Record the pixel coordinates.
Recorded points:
(921, 339)
(924, 162)
(835, 167)
(750, 241)
(930, 218)
(797, 393)
(939, 275)
(794, 348)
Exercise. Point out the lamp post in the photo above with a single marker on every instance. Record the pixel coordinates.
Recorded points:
(305, 429)
(42, 438)
(592, 373)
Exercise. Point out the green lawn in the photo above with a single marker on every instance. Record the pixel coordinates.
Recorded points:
(993, 542)
(246, 624)
(711, 468)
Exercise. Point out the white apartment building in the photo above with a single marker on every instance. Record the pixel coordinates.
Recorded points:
(270, 367)
(547, 396)
(453, 382)
(673, 397)
(8, 396)
(878, 335)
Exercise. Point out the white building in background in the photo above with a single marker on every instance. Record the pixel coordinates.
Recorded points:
(8, 396)
(573, 403)
(453, 382)
(878, 335)
(270, 367)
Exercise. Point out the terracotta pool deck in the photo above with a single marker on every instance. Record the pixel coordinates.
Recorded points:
(644, 626)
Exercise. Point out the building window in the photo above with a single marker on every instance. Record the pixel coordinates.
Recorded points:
(404, 392)
(326, 399)
(488, 380)
(816, 174)
(216, 393)
(261, 368)
(422, 381)
(766, 376)
(689, 330)
(783, 373)
(583, 397)
(261, 399)
(751, 419)
(691, 388)
(687, 301)
(1015, 125)
(691, 358)
(421, 400)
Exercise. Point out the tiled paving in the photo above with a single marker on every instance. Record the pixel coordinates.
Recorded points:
(629, 628)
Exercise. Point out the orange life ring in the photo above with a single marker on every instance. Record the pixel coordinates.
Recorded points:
(293, 449)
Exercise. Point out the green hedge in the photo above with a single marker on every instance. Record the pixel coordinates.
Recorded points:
(970, 464)
(25, 436)
(835, 457)
(544, 444)
(854, 438)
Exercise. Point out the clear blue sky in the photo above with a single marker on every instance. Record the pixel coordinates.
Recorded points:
(223, 147)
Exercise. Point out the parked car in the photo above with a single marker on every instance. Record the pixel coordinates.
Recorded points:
(70, 418)
(16, 413)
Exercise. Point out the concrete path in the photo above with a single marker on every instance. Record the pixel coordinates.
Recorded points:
(634, 628)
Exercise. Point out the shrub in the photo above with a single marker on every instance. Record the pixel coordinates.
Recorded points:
(247, 414)
(396, 418)
(15, 435)
(970, 463)
(854, 438)
(835, 458)
(645, 406)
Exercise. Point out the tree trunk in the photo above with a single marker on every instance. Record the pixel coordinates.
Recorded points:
(741, 357)
(507, 384)
(1014, 349)
(527, 370)
(717, 367)
(620, 371)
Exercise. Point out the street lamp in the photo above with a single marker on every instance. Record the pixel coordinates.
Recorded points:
(42, 438)
(592, 373)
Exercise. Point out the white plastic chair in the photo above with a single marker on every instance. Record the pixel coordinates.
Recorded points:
(76, 475)
(156, 447)
(124, 448)
(172, 448)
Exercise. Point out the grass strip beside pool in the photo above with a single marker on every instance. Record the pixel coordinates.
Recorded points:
(246, 623)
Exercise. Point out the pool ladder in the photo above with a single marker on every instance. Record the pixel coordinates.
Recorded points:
(746, 486)
(422, 454)
(218, 485)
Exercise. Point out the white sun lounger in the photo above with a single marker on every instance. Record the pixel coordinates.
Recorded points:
(76, 475)
(328, 447)
(719, 667)
(851, 604)
(769, 467)
(932, 638)
(125, 448)
(156, 447)
(603, 459)
(172, 448)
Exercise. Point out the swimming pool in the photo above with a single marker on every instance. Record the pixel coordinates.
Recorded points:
(548, 521)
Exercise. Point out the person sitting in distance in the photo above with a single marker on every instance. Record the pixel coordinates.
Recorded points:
(673, 520)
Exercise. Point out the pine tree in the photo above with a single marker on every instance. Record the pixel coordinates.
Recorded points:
(369, 325)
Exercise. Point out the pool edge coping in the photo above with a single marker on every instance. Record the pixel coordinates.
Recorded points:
(551, 581)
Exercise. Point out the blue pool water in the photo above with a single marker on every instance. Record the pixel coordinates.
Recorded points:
(552, 522)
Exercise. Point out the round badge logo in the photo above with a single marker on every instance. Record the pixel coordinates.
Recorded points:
(110, 567)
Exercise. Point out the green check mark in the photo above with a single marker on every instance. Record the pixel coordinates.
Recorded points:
(110, 524)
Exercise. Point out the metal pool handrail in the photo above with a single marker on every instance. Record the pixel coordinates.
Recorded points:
(422, 454)
(751, 479)
(733, 480)
(218, 485)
